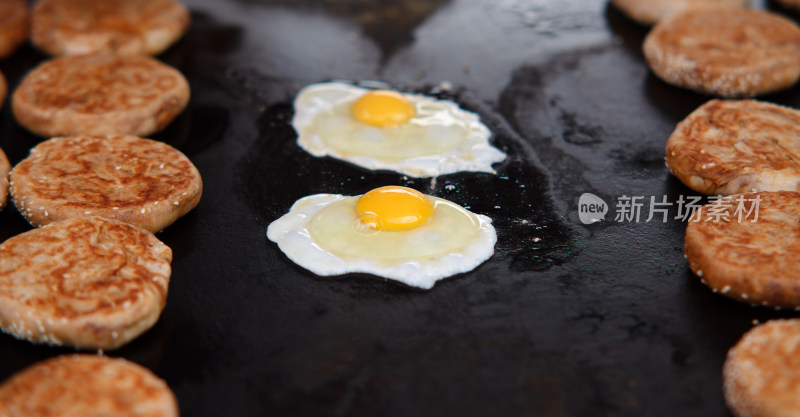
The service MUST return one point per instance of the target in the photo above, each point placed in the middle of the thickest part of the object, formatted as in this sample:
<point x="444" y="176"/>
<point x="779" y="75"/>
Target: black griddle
<point x="565" y="320"/>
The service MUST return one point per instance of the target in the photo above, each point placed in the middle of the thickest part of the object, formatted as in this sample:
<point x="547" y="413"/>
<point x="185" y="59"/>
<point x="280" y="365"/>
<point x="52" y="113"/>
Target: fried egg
<point x="411" y="134"/>
<point x="393" y="232"/>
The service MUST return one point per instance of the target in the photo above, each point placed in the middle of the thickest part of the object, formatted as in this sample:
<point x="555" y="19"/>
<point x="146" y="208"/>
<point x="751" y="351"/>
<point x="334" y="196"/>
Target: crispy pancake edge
<point x="698" y="150"/>
<point x="100" y="299"/>
<point x="74" y="383"/>
<point x="751" y="262"/>
<point x="691" y="69"/>
<point x="160" y="202"/>
<point x="77" y="34"/>
<point x="760" y="375"/>
<point x="49" y="111"/>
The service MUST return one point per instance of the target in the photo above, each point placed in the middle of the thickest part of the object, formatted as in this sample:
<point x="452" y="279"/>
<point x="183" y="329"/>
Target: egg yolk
<point x="383" y="108"/>
<point x="394" y="208"/>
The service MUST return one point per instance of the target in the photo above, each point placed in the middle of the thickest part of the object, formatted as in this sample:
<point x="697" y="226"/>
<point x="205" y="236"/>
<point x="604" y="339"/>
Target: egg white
<point x="319" y="234"/>
<point x="440" y="139"/>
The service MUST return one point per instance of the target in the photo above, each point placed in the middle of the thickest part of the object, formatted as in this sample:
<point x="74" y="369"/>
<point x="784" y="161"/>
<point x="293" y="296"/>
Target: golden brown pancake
<point x="86" y="282"/>
<point x="138" y="181"/>
<point x="755" y="262"/>
<point x="14" y="23"/>
<point x="761" y="375"/>
<point x="726" y="53"/>
<point x="650" y="12"/>
<point x="734" y="146"/>
<point x="5" y="167"/>
<point x="134" y="95"/>
<point x="86" y="385"/>
<point x="125" y="27"/>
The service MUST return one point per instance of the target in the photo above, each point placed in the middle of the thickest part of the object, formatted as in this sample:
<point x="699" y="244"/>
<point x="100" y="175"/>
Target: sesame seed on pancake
<point x="139" y="181"/>
<point x="650" y="12"/>
<point x="135" y="95"/>
<point x="747" y="247"/>
<point x="126" y="27"/>
<point x="14" y="24"/>
<point x="86" y="385"/>
<point x="88" y="282"/>
<point x="761" y="374"/>
<point x="733" y="146"/>
<point x="5" y="167"/>
<point x="726" y="53"/>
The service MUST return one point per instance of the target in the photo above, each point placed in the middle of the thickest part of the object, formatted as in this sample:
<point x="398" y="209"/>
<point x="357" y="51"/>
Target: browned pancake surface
<point x="139" y="181"/>
<point x="86" y="385"/>
<point x="734" y="146"/>
<point x="650" y="12"/>
<point x="14" y="24"/>
<point x="88" y="282"/>
<point x="727" y="53"/>
<point x="134" y="95"/>
<point x="5" y="167"/>
<point x="75" y="27"/>
<point x="753" y="262"/>
<point x="761" y="375"/>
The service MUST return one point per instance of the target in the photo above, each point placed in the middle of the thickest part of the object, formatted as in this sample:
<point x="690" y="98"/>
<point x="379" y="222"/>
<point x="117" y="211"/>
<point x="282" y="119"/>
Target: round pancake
<point x="726" y="53"/>
<point x="5" y="167"/>
<point x="733" y="146"/>
<point x="14" y="23"/>
<point x="138" y="181"/>
<point x="126" y="27"/>
<point x="135" y="95"/>
<point x="755" y="262"/>
<point x="86" y="385"/>
<point x="650" y="12"/>
<point x="761" y="375"/>
<point x="88" y="282"/>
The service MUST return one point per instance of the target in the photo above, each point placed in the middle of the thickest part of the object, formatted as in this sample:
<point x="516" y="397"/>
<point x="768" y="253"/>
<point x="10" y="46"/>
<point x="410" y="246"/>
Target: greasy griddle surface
<point x="564" y="320"/>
